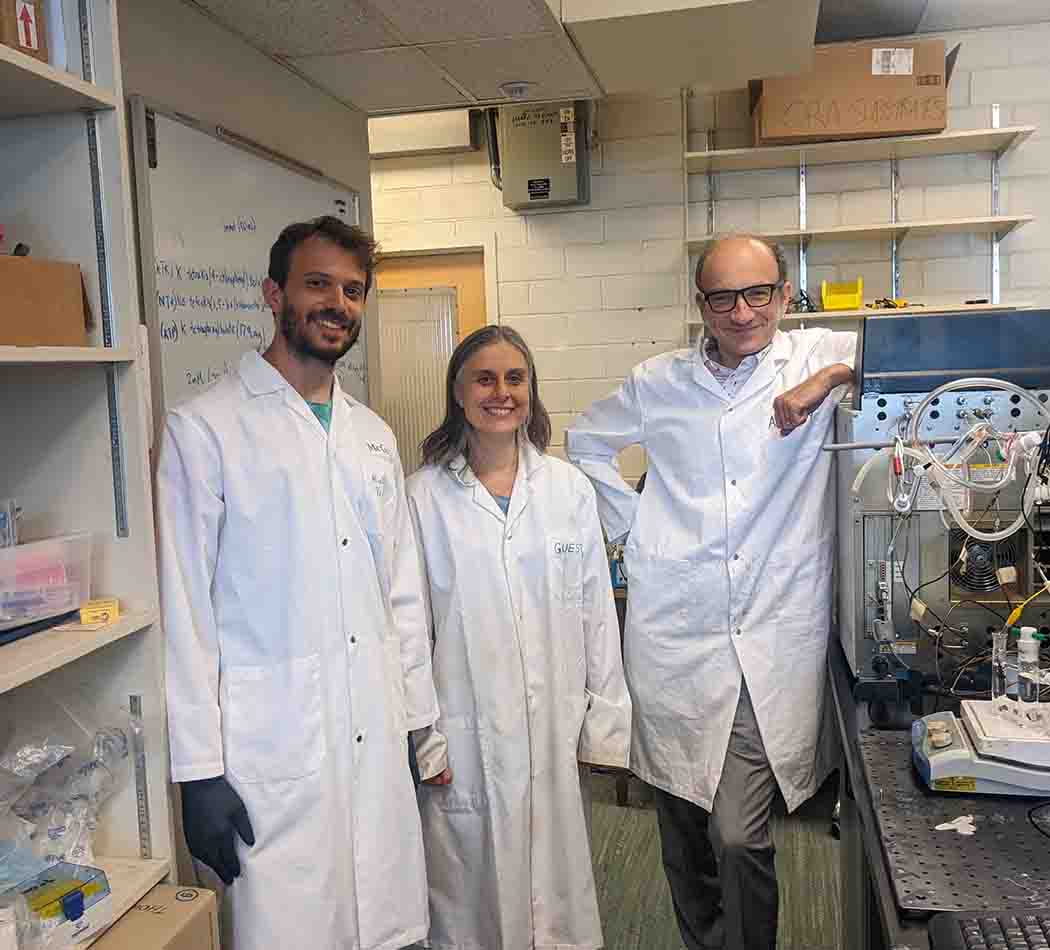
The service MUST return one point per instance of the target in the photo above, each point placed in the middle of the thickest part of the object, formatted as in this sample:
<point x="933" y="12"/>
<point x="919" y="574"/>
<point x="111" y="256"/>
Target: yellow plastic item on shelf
<point x="104" y="610"/>
<point x="846" y="295"/>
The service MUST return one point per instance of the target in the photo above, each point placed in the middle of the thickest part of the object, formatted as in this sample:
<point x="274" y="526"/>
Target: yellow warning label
<point x="100" y="611"/>
<point x="955" y="783"/>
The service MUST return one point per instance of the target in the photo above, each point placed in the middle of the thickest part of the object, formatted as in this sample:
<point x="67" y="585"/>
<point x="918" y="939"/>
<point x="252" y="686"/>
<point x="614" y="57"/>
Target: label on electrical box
<point x="568" y="135"/>
<point x="955" y="783"/>
<point x="539" y="188"/>
<point x="892" y="62"/>
<point x="900" y="647"/>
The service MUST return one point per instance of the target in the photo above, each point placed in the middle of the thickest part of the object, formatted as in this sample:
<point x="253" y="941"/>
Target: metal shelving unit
<point x="74" y="428"/>
<point x="995" y="141"/>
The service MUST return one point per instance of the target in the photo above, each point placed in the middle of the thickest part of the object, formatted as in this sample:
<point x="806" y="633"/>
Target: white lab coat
<point x="530" y="680"/>
<point x="729" y="560"/>
<point x="298" y="655"/>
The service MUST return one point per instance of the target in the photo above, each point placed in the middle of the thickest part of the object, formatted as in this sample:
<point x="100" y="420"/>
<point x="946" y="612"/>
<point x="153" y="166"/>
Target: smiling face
<point x="736" y="264"/>
<point x="321" y="306"/>
<point x="493" y="389"/>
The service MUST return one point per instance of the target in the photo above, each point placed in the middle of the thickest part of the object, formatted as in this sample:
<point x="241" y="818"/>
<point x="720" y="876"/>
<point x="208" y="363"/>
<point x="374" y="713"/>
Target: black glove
<point x="211" y="811"/>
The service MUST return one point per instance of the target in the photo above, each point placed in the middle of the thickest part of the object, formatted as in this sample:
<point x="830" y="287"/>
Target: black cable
<point x="1033" y="822"/>
<point x="990" y="610"/>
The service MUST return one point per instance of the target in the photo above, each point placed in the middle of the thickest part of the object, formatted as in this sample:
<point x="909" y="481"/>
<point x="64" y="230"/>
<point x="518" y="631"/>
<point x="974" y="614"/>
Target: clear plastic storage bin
<point x="44" y="579"/>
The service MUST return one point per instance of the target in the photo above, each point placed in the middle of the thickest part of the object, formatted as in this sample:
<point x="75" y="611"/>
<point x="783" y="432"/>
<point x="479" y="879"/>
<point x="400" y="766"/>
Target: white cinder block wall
<point x="596" y="290"/>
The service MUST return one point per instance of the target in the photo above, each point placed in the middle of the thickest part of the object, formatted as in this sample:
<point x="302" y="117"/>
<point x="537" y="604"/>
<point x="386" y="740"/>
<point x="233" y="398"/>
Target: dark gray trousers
<point x="720" y="865"/>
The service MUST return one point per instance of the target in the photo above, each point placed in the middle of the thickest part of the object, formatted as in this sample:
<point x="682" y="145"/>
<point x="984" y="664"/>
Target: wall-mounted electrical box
<point x="544" y="155"/>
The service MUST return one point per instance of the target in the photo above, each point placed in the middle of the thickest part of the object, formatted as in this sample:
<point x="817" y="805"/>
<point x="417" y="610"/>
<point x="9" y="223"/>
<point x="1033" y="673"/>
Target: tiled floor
<point x="633" y="894"/>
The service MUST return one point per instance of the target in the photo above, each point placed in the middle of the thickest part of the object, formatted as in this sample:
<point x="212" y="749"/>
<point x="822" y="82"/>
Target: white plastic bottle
<point x="1028" y="680"/>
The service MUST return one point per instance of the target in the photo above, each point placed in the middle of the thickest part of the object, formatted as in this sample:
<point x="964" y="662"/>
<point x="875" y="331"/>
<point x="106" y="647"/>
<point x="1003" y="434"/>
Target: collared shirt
<point x="731" y="379"/>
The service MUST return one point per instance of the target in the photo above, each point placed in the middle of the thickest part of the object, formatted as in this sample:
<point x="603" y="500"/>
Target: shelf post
<point x="802" y="278"/>
<point x="995" y="294"/>
<point x="895" y="265"/>
<point x="710" y="185"/>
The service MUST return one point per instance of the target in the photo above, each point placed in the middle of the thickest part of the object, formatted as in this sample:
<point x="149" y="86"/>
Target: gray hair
<point x="775" y="249"/>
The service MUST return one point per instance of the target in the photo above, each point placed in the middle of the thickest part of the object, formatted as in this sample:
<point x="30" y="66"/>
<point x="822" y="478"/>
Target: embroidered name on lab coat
<point x="567" y="547"/>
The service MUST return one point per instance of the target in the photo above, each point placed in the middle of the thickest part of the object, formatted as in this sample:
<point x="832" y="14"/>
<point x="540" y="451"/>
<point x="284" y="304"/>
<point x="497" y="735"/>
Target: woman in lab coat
<point x="526" y="660"/>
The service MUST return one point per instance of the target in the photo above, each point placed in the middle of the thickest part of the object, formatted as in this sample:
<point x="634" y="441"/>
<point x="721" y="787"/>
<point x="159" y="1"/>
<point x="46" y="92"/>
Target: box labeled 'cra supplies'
<point x="855" y="91"/>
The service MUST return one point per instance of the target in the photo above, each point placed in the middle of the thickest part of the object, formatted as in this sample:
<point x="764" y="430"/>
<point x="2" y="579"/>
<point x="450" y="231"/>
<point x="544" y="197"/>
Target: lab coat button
<point x="353" y="639"/>
<point x="360" y="737"/>
<point x="733" y="482"/>
<point x="739" y="631"/>
<point x="346" y="541"/>
<point x="736" y="557"/>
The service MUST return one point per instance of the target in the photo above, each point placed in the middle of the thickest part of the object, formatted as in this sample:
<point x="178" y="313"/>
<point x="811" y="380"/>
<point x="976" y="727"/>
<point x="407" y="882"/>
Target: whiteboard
<point x="209" y="211"/>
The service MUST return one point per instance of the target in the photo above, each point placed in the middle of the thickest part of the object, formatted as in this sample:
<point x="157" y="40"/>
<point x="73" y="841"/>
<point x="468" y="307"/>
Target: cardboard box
<point x="856" y="91"/>
<point x="41" y="303"/>
<point x="23" y="25"/>
<point x="167" y="918"/>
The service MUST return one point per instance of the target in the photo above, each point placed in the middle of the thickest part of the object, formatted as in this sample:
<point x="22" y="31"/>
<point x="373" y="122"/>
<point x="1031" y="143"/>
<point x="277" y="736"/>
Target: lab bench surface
<point x="898" y="868"/>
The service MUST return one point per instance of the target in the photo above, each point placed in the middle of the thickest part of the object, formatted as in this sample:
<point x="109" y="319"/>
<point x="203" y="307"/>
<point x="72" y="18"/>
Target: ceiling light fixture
<point x="516" y="90"/>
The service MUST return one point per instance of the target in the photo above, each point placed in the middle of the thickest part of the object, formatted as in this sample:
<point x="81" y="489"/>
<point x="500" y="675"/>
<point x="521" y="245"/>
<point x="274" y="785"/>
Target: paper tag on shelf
<point x="892" y="62"/>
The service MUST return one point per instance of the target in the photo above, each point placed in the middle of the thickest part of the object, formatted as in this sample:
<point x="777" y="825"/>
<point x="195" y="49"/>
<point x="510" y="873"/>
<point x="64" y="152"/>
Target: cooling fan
<point x="976" y="572"/>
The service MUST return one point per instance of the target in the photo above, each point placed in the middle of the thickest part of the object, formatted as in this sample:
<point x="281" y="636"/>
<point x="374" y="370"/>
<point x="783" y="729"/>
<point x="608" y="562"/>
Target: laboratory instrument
<point x="944" y="540"/>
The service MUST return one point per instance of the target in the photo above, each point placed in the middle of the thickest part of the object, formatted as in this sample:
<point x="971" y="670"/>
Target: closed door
<point x="464" y="272"/>
<point x="417" y="335"/>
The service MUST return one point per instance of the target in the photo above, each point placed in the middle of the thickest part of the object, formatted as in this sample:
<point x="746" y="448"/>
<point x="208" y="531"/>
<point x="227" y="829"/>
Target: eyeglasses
<point x="724" y="301"/>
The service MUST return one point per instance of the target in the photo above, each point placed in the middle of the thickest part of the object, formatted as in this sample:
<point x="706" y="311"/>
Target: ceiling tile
<point x="382" y="80"/>
<point x="971" y="14"/>
<point x="481" y="66"/>
<point x="433" y="21"/>
<point x="303" y="27"/>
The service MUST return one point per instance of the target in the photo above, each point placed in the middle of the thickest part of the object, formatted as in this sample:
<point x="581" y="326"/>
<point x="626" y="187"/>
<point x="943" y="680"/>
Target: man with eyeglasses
<point x="729" y="565"/>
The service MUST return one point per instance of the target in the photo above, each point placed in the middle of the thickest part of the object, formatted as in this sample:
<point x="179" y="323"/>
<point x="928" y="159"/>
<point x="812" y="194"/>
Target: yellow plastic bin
<point x="847" y="295"/>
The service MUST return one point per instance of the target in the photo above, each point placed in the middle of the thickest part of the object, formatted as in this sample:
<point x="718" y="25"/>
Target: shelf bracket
<point x="710" y="185"/>
<point x="803" y="242"/>
<point x="895" y="194"/>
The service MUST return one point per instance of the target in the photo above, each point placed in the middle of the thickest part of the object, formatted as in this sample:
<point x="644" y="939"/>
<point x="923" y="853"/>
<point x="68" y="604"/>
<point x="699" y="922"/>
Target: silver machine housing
<point x="901" y="360"/>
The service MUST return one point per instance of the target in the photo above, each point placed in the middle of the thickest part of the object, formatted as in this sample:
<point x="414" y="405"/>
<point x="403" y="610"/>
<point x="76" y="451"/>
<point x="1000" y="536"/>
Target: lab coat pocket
<point x="273" y="720"/>
<point x="567" y="572"/>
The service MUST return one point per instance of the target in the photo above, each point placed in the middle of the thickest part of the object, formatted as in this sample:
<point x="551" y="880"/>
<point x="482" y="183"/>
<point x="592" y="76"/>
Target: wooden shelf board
<point x="1001" y="224"/>
<point x="27" y="355"/>
<point x="30" y="87"/>
<point x="858" y="150"/>
<point x="900" y="311"/>
<point x="40" y="653"/>
<point x="130" y="879"/>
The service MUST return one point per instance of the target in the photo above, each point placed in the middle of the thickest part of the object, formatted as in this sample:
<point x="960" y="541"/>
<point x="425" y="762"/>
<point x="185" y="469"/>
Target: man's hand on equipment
<point x="211" y="812"/>
<point x="793" y="408"/>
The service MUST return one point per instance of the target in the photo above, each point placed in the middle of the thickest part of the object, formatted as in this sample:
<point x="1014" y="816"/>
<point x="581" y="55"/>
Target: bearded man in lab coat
<point x="730" y="571"/>
<point x="298" y="654"/>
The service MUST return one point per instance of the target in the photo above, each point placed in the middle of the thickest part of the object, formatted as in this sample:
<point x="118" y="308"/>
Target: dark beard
<point x="293" y="331"/>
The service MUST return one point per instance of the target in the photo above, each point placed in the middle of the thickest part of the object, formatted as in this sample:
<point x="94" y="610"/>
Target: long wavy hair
<point x="450" y="438"/>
